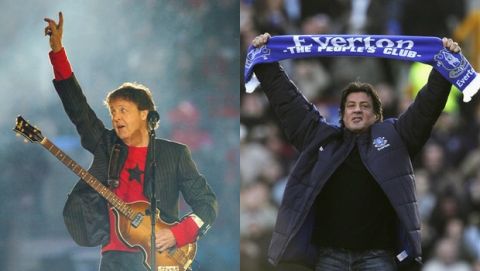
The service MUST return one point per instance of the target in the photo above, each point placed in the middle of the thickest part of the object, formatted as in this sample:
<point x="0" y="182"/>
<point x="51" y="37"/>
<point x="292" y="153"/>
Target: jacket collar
<point x="359" y="137"/>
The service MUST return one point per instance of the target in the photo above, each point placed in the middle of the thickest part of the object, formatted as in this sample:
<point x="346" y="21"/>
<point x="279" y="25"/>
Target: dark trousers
<point x="122" y="261"/>
<point x="330" y="259"/>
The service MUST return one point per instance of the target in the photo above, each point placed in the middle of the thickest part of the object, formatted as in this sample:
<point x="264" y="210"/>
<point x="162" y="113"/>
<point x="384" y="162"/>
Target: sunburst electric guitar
<point x="132" y="222"/>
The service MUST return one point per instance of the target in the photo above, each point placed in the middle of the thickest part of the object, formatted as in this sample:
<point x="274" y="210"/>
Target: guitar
<point x="132" y="222"/>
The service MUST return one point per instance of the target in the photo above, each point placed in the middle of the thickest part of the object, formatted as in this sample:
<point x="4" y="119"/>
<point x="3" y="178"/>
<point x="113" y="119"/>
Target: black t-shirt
<point x="352" y="212"/>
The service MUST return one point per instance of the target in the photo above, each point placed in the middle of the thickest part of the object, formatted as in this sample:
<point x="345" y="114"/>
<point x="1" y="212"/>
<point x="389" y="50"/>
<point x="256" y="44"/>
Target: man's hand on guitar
<point x="55" y="31"/>
<point x="164" y="239"/>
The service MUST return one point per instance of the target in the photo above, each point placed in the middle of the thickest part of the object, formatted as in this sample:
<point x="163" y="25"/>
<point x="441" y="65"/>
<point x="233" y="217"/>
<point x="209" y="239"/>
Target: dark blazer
<point x="386" y="150"/>
<point x="85" y="212"/>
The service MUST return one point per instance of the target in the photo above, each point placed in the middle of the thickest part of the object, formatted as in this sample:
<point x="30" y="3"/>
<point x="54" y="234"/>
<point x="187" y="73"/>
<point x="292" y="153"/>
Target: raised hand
<point x="451" y="45"/>
<point x="55" y="31"/>
<point x="260" y="40"/>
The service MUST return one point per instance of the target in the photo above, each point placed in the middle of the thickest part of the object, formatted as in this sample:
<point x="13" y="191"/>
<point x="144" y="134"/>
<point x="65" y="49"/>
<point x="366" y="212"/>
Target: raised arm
<point x="416" y="123"/>
<point x="89" y="127"/>
<point x="300" y="120"/>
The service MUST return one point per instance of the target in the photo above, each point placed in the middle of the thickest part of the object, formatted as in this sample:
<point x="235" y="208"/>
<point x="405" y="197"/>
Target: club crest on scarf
<point x="262" y="52"/>
<point x="454" y="64"/>
<point x="380" y="143"/>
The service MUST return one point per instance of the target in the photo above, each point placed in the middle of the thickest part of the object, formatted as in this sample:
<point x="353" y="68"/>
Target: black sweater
<point x="352" y="211"/>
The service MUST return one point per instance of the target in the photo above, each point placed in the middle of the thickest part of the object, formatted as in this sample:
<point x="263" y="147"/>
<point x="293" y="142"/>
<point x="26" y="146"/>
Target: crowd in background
<point x="185" y="51"/>
<point x="447" y="170"/>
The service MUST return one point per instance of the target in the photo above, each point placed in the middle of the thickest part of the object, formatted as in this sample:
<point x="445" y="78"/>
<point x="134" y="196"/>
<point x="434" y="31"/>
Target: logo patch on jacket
<point x="380" y="143"/>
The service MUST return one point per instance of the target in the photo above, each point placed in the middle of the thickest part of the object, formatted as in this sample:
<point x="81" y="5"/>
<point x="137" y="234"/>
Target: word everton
<point x="366" y="44"/>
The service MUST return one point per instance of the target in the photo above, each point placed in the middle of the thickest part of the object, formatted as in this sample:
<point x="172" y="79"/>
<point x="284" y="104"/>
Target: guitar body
<point x="174" y="259"/>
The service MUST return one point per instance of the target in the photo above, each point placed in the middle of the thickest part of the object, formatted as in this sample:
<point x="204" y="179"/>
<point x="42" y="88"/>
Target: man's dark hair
<point x="361" y="87"/>
<point x="133" y="92"/>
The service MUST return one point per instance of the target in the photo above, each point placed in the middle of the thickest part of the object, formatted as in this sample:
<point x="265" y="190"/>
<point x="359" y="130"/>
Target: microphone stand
<point x="153" y="200"/>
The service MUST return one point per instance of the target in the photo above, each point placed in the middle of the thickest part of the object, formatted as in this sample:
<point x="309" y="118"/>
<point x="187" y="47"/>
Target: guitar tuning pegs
<point x="25" y="140"/>
<point x="17" y="134"/>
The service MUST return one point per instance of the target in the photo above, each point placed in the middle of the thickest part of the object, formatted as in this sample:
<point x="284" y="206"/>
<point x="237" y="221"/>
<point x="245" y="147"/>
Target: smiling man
<point x="350" y="202"/>
<point x="121" y="154"/>
<point x="360" y="107"/>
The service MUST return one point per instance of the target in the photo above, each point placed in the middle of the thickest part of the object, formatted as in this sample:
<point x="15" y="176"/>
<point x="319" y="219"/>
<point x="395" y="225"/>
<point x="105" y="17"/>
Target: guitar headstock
<point x="28" y="131"/>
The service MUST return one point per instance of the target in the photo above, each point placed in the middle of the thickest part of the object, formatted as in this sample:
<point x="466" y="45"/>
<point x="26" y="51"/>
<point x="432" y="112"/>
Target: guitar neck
<point x="113" y="199"/>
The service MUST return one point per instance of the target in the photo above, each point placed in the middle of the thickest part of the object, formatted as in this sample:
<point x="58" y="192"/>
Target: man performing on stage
<point x="122" y="154"/>
<point x="350" y="202"/>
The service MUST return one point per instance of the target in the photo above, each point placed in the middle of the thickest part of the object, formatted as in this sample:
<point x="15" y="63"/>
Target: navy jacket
<point x="85" y="212"/>
<point x="386" y="150"/>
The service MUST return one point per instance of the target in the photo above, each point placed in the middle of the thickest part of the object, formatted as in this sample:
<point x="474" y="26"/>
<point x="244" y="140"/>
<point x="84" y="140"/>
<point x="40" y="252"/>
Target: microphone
<point x="152" y="119"/>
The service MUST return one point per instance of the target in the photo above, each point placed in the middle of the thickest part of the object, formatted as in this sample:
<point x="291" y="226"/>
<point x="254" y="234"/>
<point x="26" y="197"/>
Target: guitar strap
<point x="114" y="167"/>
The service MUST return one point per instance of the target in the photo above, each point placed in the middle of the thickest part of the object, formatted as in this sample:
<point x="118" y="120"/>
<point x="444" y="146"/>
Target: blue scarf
<point x="429" y="50"/>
